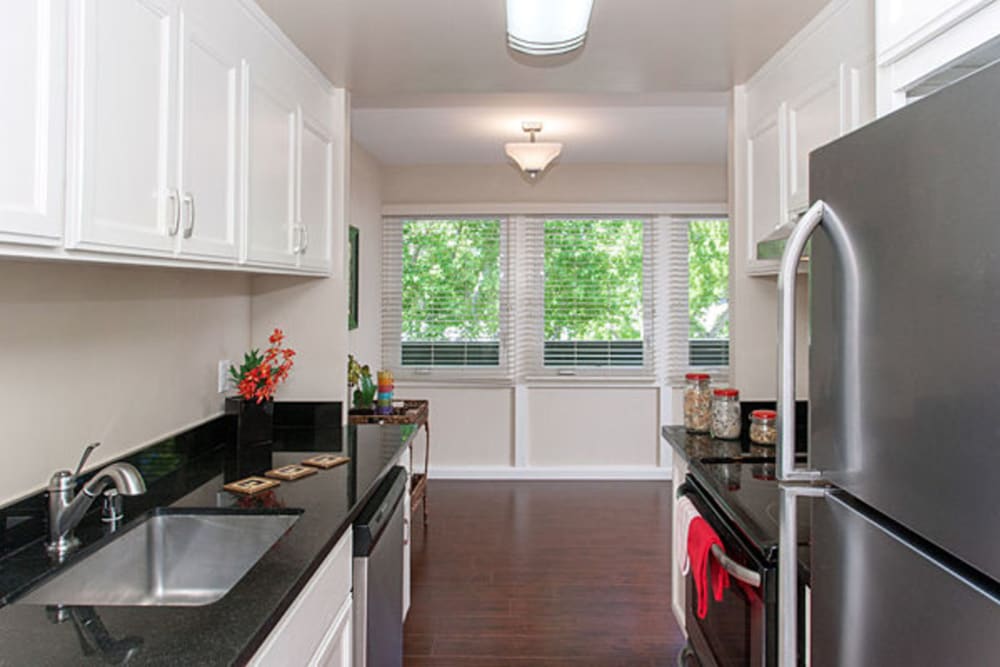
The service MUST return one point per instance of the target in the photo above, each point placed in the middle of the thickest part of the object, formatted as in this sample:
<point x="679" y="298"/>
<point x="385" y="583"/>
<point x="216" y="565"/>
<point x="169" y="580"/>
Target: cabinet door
<point x="815" y="118"/>
<point x="271" y="159"/>
<point x="126" y="65"/>
<point x="765" y="183"/>
<point x="315" y="197"/>
<point x="335" y="649"/>
<point x="208" y="128"/>
<point x="32" y="121"/>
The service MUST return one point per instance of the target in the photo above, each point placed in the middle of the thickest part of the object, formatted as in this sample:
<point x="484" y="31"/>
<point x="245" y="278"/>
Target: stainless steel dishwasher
<point x="378" y="575"/>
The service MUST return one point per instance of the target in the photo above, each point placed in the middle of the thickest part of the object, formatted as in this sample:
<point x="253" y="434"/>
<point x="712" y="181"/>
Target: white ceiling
<point x="432" y="81"/>
<point x="592" y="129"/>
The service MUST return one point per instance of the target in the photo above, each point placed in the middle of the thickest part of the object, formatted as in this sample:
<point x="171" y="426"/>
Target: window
<point x="446" y="312"/>
<point x="708" y="292"/>
<point x="609" y="296"/>
<point x="593" y="293"/>
<point x="698" y="297"/>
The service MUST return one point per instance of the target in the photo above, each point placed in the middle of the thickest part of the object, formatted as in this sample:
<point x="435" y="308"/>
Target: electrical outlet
<point x="224" y="375"/>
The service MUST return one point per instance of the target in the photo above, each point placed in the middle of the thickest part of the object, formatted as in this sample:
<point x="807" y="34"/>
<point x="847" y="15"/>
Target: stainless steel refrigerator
<point x="903" y="470"/>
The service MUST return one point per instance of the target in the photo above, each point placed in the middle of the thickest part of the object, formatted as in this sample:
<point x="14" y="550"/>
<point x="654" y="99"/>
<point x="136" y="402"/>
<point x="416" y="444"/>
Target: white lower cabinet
<point x="316" y="629"/>
<point x="404" y="461"/>
<point x="335" y="649"/>
<point x="677" y="585"/>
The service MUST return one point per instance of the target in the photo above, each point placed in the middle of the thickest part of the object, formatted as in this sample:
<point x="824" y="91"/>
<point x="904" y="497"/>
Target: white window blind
<point x="587" y="294"/>
<point x="696" y="319"/>
<point x="445" y="296"/>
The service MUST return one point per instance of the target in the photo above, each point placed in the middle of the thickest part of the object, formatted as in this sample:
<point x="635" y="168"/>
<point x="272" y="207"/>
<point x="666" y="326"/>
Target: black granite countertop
<point x="188" y="471"/>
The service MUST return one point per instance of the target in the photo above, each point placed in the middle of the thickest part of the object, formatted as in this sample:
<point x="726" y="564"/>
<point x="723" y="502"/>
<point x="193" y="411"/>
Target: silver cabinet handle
<point x="189" y="205"/>
<point x="794" y="248"/>
<point x="175" y="204"/>
<point x="305" y="238"/>
<point x="295" y="239"/>
<point x="737" y="571"/>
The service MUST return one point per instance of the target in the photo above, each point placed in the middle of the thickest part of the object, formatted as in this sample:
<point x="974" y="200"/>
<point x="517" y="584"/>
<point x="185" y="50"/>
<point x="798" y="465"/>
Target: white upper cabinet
<point x="818" y="87"/>
<point x="32" y="121"/>
<point x="316" y="196"/>
<point x="168" y="132"/>
<point x="124" y="197"/>
<point x="765" y="151"/>
<point x="272" y="129"/>
<point x="208" y="144"/>
<point x="923" y="45"/>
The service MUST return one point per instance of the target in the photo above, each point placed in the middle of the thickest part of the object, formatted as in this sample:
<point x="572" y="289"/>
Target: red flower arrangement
<point x="259" y="375"/>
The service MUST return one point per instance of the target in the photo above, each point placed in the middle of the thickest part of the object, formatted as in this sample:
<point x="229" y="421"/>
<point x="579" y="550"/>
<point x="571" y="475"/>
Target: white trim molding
<point x="594" y="473"/>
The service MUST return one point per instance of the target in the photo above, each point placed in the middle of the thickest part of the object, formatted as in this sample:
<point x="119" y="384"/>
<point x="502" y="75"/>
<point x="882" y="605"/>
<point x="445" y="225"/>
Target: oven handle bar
<point x="735" y="570"/>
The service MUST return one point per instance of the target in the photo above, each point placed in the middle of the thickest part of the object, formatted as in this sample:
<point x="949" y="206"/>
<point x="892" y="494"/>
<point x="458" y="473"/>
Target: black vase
<point x="253" y="435"/>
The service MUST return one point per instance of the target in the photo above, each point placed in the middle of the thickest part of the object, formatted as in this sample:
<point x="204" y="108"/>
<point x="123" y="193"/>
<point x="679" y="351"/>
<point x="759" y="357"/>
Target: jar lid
<point x="764" y="414"/>
<point x="730" y="393"/>
<point x="697" y="376"/>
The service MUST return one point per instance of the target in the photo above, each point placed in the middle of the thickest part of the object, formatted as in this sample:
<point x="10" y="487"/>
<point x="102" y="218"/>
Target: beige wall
<point x="593" y="427"/>
<point x="570" y="183"/>
<point x="123" y="355"/>
<point x="366" y="214"/>
<point x="312" y="313"/>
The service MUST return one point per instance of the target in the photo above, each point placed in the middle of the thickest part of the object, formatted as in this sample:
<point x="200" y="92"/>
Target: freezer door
<point x="877" y="600"/>
<point x="904" y="370"/>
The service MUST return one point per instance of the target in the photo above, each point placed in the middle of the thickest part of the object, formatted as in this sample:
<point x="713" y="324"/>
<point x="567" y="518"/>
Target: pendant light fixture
<point x="547" y="27"/>
<point x="531" y="156"/>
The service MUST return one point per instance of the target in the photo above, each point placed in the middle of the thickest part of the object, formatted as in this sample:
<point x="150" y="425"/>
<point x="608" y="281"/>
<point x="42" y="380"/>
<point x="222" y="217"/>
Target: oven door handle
<point x="735" y="570"/>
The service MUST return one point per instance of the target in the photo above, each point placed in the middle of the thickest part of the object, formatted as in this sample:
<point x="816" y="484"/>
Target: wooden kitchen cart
<point x="414" y="412"/>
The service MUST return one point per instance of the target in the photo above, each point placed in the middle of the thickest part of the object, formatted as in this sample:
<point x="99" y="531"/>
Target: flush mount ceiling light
<point x="533" y="157"/>
<point x="547" y="27"/>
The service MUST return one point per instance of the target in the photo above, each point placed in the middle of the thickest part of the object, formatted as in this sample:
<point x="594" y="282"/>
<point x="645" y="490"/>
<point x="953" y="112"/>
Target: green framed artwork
<point x="354" y="240"/>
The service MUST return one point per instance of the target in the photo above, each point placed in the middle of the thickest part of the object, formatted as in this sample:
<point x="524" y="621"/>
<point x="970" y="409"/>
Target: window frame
<point x="519" y="361"/>
<point x="531" y="312"/>
<point x="677" y="319"/>
<point x="392" y="288"/>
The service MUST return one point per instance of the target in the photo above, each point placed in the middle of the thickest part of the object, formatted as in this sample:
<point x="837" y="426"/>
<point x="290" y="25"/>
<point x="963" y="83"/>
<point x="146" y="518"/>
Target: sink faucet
<point x="65" y="510"/>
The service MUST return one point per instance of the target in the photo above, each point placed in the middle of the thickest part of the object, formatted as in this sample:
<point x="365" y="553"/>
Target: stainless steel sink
<point x="173" y="557"/>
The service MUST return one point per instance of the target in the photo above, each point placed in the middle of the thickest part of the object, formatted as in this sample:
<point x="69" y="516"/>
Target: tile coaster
<point x="248" y="486"/>
<point x="326" y="460"/>
<point x="291" y="472"/>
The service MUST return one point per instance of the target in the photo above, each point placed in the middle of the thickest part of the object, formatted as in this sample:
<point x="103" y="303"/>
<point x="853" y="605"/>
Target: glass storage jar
<point x="697" y="403"/>
<point x="726" y="414"/>
<point x="764" y="427"/>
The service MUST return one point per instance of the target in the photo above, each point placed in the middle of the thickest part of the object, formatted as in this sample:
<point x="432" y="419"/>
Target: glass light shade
<point x="547" y="27"/>
<point x="533" y="158"/>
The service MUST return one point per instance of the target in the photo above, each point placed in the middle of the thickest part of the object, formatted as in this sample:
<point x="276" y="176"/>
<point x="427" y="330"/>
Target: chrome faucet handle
<point x="83" y="459"/>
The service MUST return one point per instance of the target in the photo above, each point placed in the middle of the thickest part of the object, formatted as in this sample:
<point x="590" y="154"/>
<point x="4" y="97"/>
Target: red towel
<point x="701" y="537"/>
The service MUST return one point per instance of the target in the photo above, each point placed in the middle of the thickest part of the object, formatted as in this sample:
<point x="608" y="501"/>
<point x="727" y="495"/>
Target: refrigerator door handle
<point x="794" y="247"/>
<point x="788" y="572"/>
<point x="737" y="571"/>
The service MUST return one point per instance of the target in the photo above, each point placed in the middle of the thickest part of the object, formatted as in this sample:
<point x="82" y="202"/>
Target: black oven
<point x="741" y="630"/>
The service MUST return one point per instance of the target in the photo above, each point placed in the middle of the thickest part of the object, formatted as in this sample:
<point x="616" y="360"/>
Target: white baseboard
<point x="550" y="473"/>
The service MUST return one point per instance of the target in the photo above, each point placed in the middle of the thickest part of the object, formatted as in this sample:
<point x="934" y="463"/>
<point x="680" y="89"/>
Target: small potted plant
<point x="360" y="379"/>
<point x="256" y="380"/>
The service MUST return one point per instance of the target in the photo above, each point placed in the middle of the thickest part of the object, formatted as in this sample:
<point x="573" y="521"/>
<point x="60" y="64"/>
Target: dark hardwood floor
<point x="542" y="573"/>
